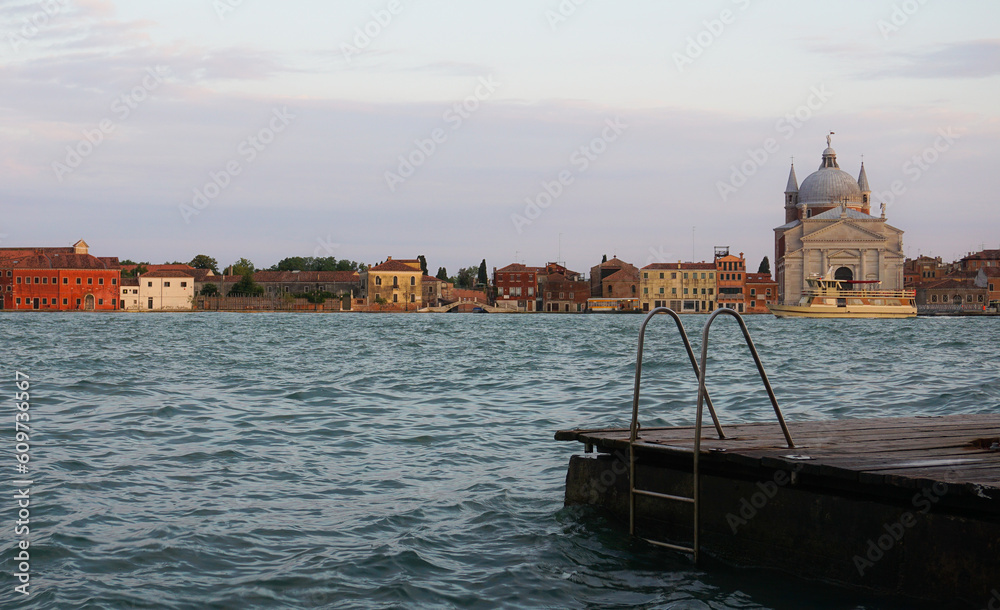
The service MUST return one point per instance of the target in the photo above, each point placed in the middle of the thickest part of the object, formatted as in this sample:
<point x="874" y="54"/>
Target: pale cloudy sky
<point x="661" y="129"/>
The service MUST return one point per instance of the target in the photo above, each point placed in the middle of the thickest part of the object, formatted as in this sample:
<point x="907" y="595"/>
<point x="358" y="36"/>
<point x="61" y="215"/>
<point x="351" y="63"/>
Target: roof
<point x="59" y="260"/>
<point x="760" y="278"/>
<point x="834" y="214"/>
<point x="394" y="265"/>
<point x="990" y="255"/>
<point x="949" y="283"/>
<point x="793" y="182"/>
<point x="130" y="281"/>
<point x="863" y="180"/>
<point x="622" y="275"/>
<point x="308" y="276"/>
<point x="789" y="225"/>
<point x="516" y="267"/>
<point x="701" y="265"/>
<point x="168" y="273"/>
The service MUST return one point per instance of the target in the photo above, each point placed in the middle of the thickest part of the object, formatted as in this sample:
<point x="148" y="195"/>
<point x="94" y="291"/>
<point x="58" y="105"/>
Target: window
<point x="166" y="284"/>
<point x="149" y="284"/>
<point x="183" y="284"/>
<point x="991" y="287"/>
<point x="413" y="298"/>
<point x="711" y="276"/>
<point x="65" y="280"/>
<point x="645" y="290"/>
<point x="45" y="301"/>
<point x="702" y="276"/>
<point x="395" y="298"/>
<point x="673" y="291"/>
<point x="378" y="281"/>
<point x="65" y="301"/>
<point x="548" y="296"/>
<point x="685" y="275"/>
<point x="100" y="281"/>
<point x="645" y="275"/>
<point x="19" y="279"/>
<point x="968" y="298"/>
<point x="90" y="281"/>
<point x="685" y="291"/>
<point x="711" y="291"/>
<point x="114" y="281"/>
<point x="753" y="292"/>
<point x="78" y="282"/>
<point x="78" y="300"/>
<point x="9" y="273"/>
<point x="18" y="301"/>
<point x="673" y="275"/>
<point x="413" y="281"/>
<point x="36" y="280"/>
<point x="980" y="298"/>
<point x="661" y="275"/>
<point x="531" y="291"/>
<point x="933" y="298"/>
<point x="100" y="301"/>
<point x="661" y="289"/>
<point x="571" y="296"/>
<point x="703" y="291"/>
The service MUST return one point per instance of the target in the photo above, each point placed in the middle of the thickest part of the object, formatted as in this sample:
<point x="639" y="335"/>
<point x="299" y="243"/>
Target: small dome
<point x="829" y="186"/>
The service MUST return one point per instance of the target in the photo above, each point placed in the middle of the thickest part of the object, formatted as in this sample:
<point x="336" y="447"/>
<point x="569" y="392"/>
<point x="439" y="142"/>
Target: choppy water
<point x="341" y="461"/>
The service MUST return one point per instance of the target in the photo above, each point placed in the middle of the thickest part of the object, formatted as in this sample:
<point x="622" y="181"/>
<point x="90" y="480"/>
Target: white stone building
<point x="829" y="229"/>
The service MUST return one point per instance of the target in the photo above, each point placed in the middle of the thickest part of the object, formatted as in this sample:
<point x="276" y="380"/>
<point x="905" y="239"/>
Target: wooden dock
<point x="905" y="507"/>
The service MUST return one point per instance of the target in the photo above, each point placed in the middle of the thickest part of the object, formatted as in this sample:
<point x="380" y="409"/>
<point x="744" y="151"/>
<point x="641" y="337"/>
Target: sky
<point x="515" y="131"/>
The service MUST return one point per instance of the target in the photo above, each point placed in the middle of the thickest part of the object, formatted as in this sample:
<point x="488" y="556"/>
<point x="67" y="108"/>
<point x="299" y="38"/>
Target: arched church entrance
<point x="88" y="302"/>
<point x="844" y="273"/>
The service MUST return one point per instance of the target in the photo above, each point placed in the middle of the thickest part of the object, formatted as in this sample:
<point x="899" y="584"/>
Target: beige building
<point x="683" y="287"/>
<point x="396" y="283"/>
<point x="828" y="228"/>
<point x="159" y="291"/>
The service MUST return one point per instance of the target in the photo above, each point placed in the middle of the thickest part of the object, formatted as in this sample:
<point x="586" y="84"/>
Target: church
<point x="829" y="228"/>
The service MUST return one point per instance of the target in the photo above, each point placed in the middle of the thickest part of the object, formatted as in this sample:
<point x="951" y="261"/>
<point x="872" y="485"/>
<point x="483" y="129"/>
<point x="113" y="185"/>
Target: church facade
<point x="829" y="229"/>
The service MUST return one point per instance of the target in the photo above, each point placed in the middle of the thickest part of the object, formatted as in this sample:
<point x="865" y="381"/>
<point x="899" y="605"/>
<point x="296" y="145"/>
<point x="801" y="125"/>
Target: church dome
<point x="829" y="185"/>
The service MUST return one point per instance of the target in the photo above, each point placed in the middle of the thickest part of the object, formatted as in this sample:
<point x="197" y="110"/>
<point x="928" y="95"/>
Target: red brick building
<point x="516" y="286"/>
<point x="981" y="259"/>
<point x="58" y="279"/>
<point x="761" y="289"/>
<point x="614" y="279"/>
<point x="562" y="294"/>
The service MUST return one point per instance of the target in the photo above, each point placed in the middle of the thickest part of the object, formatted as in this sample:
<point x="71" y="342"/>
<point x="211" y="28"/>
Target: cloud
<point x="974" y="59"/>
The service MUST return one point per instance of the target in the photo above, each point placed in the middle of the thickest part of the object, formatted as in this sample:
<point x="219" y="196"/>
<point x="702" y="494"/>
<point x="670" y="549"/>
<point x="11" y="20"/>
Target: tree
<point x="209" y="290"/>
<point x="140" y="268"/>
<point x="242" y="267"/>
<point x="465" y="277"/>
<point x="203" y="261"/>
<point x="442" y="274"/>
<point x="765" y="266"/>
<point x="423" y="264"/>
<point x="293" y="263"/>
<point x="246" y="287"/>
<point x="483" y="279"/>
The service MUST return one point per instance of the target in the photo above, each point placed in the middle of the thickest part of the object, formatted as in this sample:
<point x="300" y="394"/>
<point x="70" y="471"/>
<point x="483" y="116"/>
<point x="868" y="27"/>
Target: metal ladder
<point x="703" y="399"/>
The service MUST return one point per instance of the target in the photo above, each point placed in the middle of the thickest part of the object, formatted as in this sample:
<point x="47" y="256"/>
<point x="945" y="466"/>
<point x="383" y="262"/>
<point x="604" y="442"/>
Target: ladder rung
<point x="667" y="545"/>
<point x="653" y="494"/>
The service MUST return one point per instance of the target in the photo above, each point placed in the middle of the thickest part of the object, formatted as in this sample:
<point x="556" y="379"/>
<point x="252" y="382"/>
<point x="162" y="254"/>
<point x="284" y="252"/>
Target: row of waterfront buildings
<point x="828" y="230"/>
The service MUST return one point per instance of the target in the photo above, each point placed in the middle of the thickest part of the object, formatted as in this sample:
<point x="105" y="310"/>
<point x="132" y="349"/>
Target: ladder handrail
<point x="634" y="428"/>
<point x="703" y="391"/>
<point x="703" y="399"/>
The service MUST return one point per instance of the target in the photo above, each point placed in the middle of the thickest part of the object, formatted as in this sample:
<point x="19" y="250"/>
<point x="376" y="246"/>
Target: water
<point x="349" y="460"/>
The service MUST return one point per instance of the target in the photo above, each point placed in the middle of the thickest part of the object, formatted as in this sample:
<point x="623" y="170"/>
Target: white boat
<point x="833" y="298"/>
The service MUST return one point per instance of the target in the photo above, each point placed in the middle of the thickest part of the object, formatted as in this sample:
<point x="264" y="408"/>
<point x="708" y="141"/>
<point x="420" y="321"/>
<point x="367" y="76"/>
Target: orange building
<point x="730" y="278"/>
<point x="58" y="279"/>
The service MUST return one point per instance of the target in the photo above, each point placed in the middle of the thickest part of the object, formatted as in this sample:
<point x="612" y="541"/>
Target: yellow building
<point x="683" y="287"/>
<point x="396" y="283"/>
